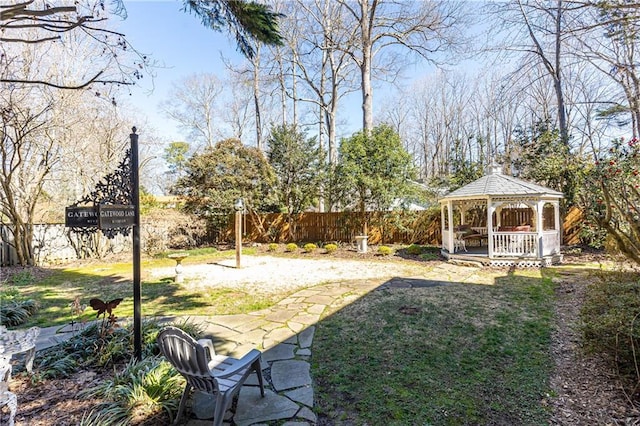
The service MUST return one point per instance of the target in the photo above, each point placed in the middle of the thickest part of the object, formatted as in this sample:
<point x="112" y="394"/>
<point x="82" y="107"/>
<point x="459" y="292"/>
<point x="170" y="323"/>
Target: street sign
<point x="80" y="217"/>
<point x="115" y="216"/>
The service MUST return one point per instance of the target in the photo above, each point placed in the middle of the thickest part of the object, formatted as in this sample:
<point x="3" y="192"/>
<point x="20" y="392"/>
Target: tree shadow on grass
<point x="55" y="291"/>
<point x="437" y="351"/>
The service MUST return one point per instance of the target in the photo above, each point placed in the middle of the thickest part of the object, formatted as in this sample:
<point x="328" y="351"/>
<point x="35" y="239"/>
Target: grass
<point x="450" y="355"/>
<point x="454" y="354"/>
<point x="56" y="291"/>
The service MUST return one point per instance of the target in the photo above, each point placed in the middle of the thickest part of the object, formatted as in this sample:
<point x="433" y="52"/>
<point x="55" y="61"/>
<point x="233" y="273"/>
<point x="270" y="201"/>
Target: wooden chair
<point x="459" y="243"/>
<point x="218" y="375"/>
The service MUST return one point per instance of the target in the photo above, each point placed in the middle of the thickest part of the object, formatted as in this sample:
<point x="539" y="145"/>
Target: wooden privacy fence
<point x="571" y="226"/>
<point x="384" y="227"/>
<point x="419" y="227"/>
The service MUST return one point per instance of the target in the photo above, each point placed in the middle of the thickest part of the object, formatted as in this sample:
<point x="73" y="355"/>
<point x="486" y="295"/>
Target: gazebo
<point x="500" y="220"/>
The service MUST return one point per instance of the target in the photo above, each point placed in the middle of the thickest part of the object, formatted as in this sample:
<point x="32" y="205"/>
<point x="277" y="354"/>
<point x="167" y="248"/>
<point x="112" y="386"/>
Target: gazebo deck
<point x="480" y="256"/>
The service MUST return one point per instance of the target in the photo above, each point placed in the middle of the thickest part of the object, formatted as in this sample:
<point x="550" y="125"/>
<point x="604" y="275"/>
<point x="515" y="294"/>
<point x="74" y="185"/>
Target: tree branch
<point x="58" y="86"/>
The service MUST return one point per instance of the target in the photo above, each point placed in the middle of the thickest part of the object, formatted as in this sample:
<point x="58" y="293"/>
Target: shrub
<point x="610" y="198"/>
<point x="385" y="250"/>
<point x="272" y="247"/>
<point x="610" y="321"/>
<point x="14" y="308"/>
<point x="414" y="249"/>
<point x="310" y="247"/>
<point x="143" y="389"/>
<point x="89" y="348"/>
<point x="22" y="278"/>
<point x="330" y="248"/>
<point x="429" y="256"/>
<point x="291" y="247"/>
<point x="16" y="313"/>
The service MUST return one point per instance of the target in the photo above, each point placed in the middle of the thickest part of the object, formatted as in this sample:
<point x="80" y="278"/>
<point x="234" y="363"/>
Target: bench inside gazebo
<point x="500" y="220"/>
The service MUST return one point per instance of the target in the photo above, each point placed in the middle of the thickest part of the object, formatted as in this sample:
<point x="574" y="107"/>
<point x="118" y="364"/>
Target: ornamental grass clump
<point x="310" y="248"/>
<point x="291" y="247"/>
<point x="15" y="309"/>
<point x="272" y="247"/>
<point x="330" y="248"/>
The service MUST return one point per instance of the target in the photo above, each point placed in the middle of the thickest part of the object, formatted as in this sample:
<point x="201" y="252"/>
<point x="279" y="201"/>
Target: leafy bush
<point x="385" y="250"/>
<point x="610" y="321"/>
<point x="18" y="312"/>
<point x="310" y="247"/>
<point x="14" y="308"/>
<point x="429" y="256"/>
<point x="291" y="247"/>
<point x="414" y="249"/>
<point x="330" y="248"/>
<point x="611" y="199"/>
<point x="22" y="278"/>
<point x="272" y="247"/>
<point x="141" y="390"/>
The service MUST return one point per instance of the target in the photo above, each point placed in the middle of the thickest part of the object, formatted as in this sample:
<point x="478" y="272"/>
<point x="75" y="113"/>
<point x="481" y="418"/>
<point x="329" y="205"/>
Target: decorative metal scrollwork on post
<point x="114" y="189"/>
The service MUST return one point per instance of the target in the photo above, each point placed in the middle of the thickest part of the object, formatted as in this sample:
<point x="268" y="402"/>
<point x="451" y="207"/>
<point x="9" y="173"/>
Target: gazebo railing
<point x="515" y="244"/>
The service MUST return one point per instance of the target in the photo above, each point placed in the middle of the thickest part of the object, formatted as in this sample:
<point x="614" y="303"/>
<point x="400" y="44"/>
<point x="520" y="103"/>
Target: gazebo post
<point x="450" y="218"/>
<point x="443" y="223"/>
<point x="539" y="208"/>
<point x="490" y="210"/>
<point x="558" y="225"/>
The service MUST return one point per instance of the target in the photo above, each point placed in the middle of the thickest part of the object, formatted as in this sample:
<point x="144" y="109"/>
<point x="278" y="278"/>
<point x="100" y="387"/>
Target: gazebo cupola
<point x="502" y="220"/>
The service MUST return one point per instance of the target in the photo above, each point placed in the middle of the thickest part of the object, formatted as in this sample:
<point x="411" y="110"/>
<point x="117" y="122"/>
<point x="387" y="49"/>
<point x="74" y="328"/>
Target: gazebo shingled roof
<point x="497" y="184"/>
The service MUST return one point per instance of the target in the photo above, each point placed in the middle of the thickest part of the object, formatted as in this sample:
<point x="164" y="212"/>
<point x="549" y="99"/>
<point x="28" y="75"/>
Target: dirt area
<point x="585" y="390"/>
<point x="271" y="274"/>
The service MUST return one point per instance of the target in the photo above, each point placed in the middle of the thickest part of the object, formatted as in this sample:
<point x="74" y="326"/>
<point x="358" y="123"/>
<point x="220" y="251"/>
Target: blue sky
<point x="180" y="45"/>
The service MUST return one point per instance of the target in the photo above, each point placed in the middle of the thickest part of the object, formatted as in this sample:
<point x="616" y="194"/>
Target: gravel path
<point x="275" y="274"/>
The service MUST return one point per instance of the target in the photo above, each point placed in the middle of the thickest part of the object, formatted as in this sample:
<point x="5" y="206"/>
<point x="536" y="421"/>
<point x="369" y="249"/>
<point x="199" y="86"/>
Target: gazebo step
<point x="466" y="262"/>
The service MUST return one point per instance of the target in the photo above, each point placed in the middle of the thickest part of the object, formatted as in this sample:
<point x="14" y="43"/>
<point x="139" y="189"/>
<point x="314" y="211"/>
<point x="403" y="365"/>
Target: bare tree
<point x="608" y="34"/>
<point x="421" y="28"/>
<point x="321" y="63"/>
<point x="195" y="103"/>
<point x="27" y="155"/>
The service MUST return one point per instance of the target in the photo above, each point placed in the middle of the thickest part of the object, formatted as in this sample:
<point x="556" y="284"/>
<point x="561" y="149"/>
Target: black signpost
<point x="114" y="207"/>
<point x="137" y="294"/>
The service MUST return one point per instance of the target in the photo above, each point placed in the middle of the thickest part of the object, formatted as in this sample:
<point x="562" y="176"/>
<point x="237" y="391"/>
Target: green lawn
<point x="453" y="354"/>
<point x="459" y="354"/>
<point x="56" y="290"/>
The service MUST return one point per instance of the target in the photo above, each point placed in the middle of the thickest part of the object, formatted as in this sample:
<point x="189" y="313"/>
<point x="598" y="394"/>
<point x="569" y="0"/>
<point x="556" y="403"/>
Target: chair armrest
<point x="239" y="364"/>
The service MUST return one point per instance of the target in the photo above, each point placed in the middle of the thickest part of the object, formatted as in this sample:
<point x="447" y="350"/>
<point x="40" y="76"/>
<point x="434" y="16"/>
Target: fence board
<point x="571" y="226"/>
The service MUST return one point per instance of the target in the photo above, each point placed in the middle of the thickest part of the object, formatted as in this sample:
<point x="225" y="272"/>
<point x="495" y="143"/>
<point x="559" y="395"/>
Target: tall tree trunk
<point x="256" y="96"/>
<point x="294" y="93"/>
<point x="366" y="17"/>
<point x="562" y="111"/>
